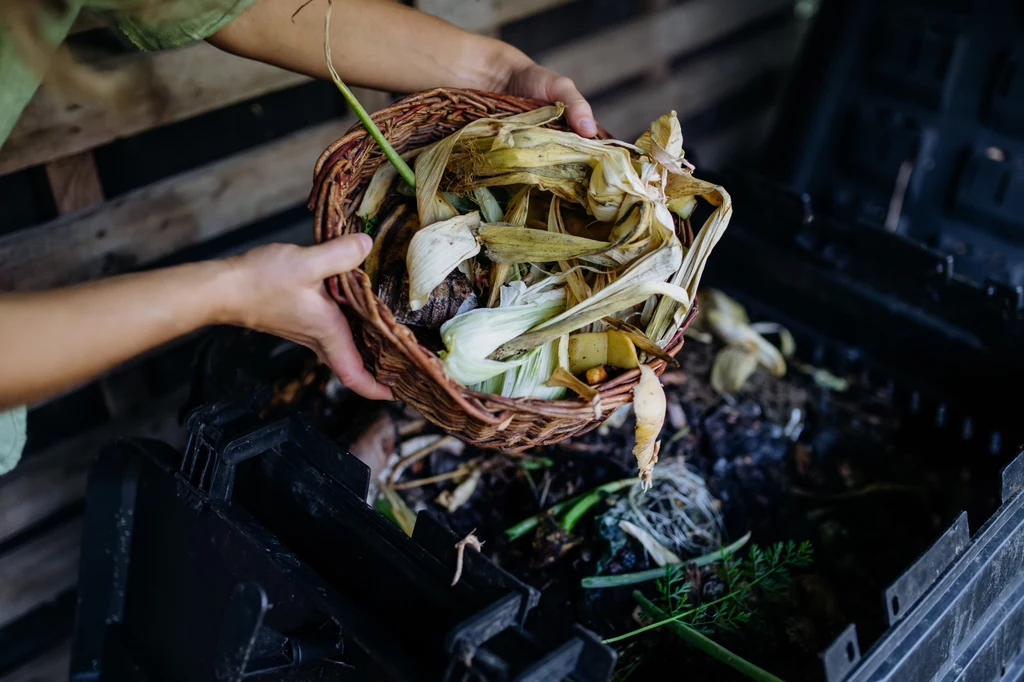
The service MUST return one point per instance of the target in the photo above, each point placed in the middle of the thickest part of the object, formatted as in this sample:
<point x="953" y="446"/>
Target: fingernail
<point x="366" y="241"/>
<point x="587" y="126"/>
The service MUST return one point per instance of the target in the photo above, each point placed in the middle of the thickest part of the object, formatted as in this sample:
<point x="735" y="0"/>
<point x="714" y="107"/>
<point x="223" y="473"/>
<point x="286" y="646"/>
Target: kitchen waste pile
<point x="549" y="263"/>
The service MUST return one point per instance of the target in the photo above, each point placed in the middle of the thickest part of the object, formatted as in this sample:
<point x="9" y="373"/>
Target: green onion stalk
<point x="577" y="506"/>
<point x="371" y="127"/>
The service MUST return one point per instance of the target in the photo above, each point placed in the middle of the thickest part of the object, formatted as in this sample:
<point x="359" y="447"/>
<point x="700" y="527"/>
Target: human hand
<point x="529" y="79"/>
<point x="279" y="289"/>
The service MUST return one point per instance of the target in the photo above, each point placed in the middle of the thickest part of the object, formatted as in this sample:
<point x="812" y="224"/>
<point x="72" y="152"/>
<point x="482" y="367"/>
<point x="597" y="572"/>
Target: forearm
<point x="52" y="341"/>
<point x="375" y="43"/>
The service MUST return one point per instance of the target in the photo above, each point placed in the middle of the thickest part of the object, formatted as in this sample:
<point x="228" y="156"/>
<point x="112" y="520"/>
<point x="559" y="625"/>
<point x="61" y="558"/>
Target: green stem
<point x="600" y="581"/>
<point x="371" y="127"/>
<point x="579" y="510"/>
<point x="708" y="646"/>
<point x="526" y="525"/>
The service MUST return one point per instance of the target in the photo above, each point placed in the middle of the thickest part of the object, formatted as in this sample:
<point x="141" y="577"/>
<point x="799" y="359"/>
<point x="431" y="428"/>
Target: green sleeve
<point x="191" y="21"/>
<point x="12" y="438"/>
<point x="197" y="20"/>
<point x="18" y="81"/>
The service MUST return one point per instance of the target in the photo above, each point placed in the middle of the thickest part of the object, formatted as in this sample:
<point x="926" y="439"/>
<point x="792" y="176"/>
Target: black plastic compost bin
<point x="884" y="226"/>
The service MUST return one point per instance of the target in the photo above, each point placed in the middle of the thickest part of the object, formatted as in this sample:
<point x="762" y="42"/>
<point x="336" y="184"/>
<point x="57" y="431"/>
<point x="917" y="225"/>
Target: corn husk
<point x="732" y="367"/>
<point x="460" y="495"/>
<point x="641" y="341"/>
<point x="515" y="214"/>
<point x="489" y="206"/>
<point x="787" y="344"/>
<point x="649" y="405"/>
<point x="636" y="284"/>
<point x="746" y="348"/>
<point x="510" y="244"/>
<point x="430" y="165"/>
<point x="664" y="143"/>
<point x="388" y="229"/>
<point x="561" y="377"/>
<point x="660" y="554"/>
<point x="435" y="251"/>
<point x="380" y="183"/>
<point x="668" y="315"/>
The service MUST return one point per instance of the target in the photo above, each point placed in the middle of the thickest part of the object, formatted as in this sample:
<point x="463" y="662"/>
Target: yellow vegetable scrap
<point x="649" y="405"/>
<point x="596" y="375"/>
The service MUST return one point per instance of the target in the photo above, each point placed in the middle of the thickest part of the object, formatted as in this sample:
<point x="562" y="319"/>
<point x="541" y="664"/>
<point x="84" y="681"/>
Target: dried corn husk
<point x="453" y="499"/>
<point x="488" y="204"/>
<point x="649" y="405"/>
<point x="387" y="235"/>
<point x="431" y="164"/>
<point x="509" y="244"/>
<point x="732" y="367"/>
<point x="435" y="251"/>
<point x="635" y="285"/>
<point x="563" y="378"/>
<point x="660" y="554"/>
<point x="377" y="189"/>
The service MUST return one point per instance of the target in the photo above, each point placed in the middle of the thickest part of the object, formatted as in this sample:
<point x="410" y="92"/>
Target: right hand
<point x="279" y="289"/>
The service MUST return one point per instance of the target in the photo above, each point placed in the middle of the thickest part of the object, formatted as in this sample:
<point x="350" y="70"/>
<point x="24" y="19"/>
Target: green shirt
<point x="192" y="20"/>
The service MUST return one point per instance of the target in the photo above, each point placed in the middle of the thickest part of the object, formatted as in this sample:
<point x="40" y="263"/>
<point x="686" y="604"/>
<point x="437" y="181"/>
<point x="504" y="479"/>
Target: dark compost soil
<point x="788" y="458"/>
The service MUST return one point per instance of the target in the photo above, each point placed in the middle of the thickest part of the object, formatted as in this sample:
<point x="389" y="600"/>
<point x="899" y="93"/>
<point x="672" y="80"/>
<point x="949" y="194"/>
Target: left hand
<point x="530" y="79"/>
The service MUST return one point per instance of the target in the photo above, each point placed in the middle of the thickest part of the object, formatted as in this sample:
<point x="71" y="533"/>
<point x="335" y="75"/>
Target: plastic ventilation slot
<point x="992" y="186"/>
<point x="1006" y="101"/>
<point x="913" y="58"/>
<point x="879" y="142"/>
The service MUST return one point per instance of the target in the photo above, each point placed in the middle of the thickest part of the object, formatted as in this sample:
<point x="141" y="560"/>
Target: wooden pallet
<point x="688" y="56"/>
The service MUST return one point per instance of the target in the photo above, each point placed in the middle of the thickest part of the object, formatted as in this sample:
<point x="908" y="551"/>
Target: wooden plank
<point x="660" y="68"/>
<point x="38" y="571"/>
<point x="484" y="16"/>
<point x="74" y="182"/>
<point x="158" y="88"/>
<point x="628" y="51"/>
<point x="52" y="666"/>
<point x="52" y="480"/>
<point x="700" y="83"/>
<point x="158" y="220"/>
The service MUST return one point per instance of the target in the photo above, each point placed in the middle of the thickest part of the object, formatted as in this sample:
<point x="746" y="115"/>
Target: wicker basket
<point x="389" y="349"/>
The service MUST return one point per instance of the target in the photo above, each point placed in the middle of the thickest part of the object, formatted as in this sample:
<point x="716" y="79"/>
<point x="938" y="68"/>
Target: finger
<point x="338" y="350"/>
<point x="577" y="109"/>
<point x="338" y="255"/>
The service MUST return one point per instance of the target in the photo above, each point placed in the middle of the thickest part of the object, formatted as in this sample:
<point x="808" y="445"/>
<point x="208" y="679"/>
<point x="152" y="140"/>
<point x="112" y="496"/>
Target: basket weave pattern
<point x="388" y="348"/>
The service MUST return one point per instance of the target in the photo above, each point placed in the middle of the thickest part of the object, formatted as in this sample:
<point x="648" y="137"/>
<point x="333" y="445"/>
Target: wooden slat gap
<point x="74" y="182"/>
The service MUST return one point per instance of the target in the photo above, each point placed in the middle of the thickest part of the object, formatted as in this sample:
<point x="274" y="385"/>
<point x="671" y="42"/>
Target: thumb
<point x="338" y="255"/>
<point x="577" y="109"/>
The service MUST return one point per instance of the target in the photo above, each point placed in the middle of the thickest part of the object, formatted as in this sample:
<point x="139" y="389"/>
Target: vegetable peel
<point x="649" y="406"/>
